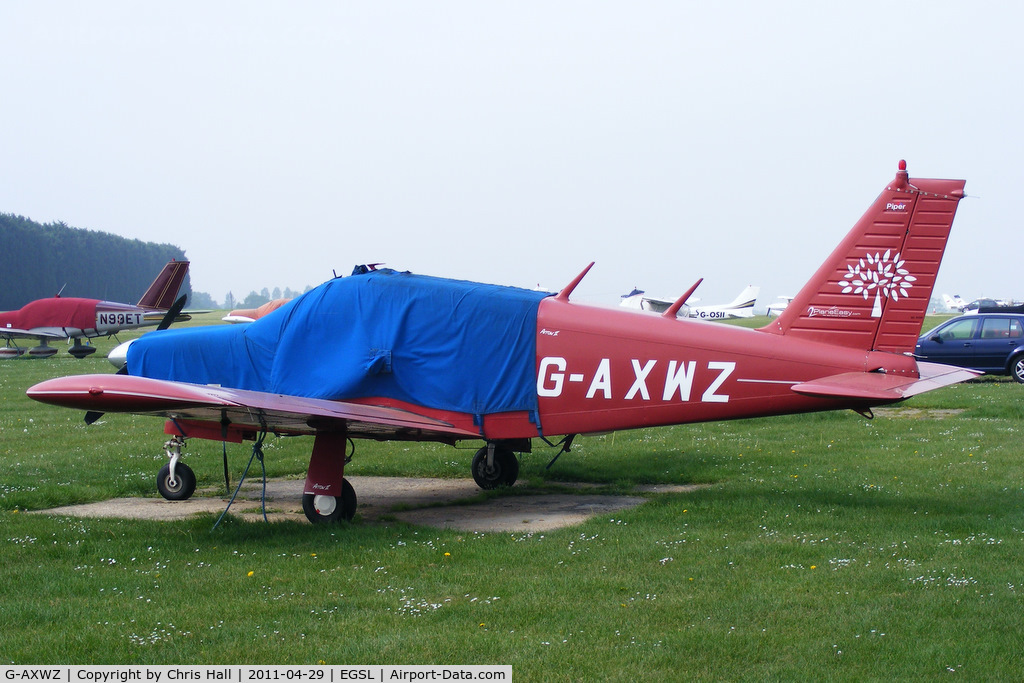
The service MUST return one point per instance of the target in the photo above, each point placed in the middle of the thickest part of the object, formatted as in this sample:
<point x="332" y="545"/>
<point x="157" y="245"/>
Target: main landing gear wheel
<point x="181" y="486"/>
<point x="80" y="351"/>
<point x="324" y="509"/>
<point x="503" y="472"/>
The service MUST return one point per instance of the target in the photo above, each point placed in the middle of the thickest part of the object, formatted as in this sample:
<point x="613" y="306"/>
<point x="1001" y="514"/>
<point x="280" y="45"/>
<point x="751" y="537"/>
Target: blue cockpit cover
<point x="438" y="343"/>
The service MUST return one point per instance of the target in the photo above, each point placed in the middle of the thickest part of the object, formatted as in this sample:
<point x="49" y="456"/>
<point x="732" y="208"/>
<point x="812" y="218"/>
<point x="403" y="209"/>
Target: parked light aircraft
<point x="397" y="356"/>
<point x="777" y="307"/>
<point x="954" y="302"/>
<point x="992" y="306"/>
<point x="76" y="318"/>
<point x="248" y="315"/>
<point x="983" y="305"/>
<point x="741" y="307"/>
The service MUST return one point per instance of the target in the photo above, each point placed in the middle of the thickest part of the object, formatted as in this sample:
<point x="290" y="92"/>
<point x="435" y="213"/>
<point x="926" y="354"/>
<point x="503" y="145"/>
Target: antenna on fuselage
<point x="673" y="310"/>
<point x="567" y="290"/>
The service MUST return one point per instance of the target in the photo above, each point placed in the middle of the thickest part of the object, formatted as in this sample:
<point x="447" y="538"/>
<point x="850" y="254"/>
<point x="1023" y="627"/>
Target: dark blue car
<point x="990" y="342"/>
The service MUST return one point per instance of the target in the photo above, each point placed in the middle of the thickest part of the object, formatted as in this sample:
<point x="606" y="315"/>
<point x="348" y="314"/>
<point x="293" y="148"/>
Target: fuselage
<point x="600" y="370"/>
<point x="604" y="369"/>
<point x="71" y="317"/>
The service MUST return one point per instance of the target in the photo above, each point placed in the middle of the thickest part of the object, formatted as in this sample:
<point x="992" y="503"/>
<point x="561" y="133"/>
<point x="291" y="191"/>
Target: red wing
<point x="254" y="409"/>
<point x="12" y="333"/>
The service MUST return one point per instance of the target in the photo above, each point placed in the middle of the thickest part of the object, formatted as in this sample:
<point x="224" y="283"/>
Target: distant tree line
<point x="253" y="300"/>
<point x="38" y="260"/>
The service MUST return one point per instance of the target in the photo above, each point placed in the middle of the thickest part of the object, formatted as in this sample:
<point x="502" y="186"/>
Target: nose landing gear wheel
<point x="181" y="487"/>
<point x="325" y="509"/>
<point x="503" y="472"/>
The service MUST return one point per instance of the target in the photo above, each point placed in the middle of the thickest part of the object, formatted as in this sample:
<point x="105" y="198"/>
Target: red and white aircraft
<point x="517" y="367"/>
<point x="77" y="319"/>
<point x="248" y="315"/>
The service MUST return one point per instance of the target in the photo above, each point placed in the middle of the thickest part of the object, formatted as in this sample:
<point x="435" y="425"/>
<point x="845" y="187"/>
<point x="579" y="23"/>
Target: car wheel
<point x="1017" y="368"/>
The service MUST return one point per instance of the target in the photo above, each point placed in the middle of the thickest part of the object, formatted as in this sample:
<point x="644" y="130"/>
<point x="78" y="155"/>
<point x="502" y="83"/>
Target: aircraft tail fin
<point x="164" y="289"/>
<point x="873" y="291"/>
<point x="743" y="305"/>
<point x="954" y="302"/>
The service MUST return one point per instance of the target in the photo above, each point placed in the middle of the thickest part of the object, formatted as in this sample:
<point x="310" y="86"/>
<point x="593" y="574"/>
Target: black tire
<point x="184" y="485"/>
<point x="79" y="351"/>
<point x="505" y="470"/>
<point x="1017" y="368"/>
<point x="328" y="509"/>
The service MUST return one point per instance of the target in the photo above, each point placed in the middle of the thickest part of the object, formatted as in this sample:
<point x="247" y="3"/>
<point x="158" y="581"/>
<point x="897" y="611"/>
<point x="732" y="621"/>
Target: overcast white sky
<point x="514" y="142"/>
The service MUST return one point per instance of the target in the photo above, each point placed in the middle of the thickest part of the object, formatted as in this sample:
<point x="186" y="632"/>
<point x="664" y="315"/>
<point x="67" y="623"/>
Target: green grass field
<point x="826" y="546"/>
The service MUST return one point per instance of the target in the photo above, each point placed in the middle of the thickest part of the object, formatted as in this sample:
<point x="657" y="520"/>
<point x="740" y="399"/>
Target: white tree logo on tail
<point x="883" y="275"/>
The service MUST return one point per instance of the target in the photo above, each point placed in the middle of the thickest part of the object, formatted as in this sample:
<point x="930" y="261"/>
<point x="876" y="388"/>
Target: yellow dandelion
<point x="814" y="566"/>
<point x="250" y="573"/>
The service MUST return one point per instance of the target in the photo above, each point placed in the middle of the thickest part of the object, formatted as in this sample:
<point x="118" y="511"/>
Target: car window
<point x="1001" y="328"/>
<point x="960" y="329"/>
<point x="995" y="328"/>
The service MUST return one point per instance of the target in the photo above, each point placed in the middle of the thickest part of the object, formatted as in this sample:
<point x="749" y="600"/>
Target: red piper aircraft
<point x="396" y="356"/>
<point x="76" y="318"/>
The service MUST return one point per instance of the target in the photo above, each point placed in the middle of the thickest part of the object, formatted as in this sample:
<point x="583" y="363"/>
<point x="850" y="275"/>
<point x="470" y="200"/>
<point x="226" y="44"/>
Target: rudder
<point x="872" y="292"/>
<point x="161" y="293"/>
<point x="745" y="300"/>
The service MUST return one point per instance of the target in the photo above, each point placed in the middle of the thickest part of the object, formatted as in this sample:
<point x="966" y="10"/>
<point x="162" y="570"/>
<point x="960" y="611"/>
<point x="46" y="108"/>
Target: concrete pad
<point x="421" y="501"/>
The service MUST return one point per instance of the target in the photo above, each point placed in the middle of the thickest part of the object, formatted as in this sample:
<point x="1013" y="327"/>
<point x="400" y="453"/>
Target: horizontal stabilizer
<point x="158" y="316"/>
<point x="878" y="386"/>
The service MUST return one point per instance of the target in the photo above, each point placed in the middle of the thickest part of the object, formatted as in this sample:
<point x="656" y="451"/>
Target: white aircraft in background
<point x="954" y="302"/>
<point x="636" y="299"/>
<point x="741" y="307"/>
<point x="993" y="306"/>
<point x="981" y="305"/>
<point x="777" y="307"/>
